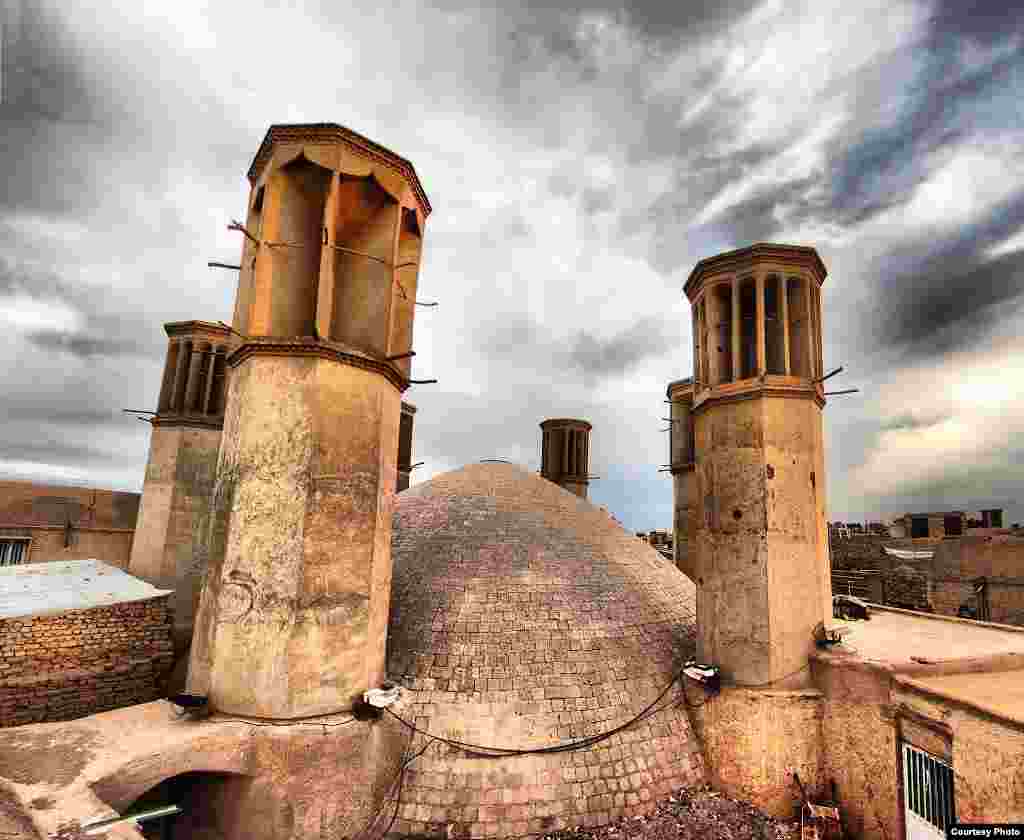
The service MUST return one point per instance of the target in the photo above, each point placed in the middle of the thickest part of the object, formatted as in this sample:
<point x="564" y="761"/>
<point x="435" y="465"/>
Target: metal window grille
<point x="927" y="790"/>
<point x="13" y="552"/>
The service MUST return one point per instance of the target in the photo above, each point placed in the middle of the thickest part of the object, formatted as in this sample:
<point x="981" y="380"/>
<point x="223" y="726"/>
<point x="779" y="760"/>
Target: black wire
<point x="650" y="710"/>
<point x="480" y="751"/>
<point x="400" y="780"/>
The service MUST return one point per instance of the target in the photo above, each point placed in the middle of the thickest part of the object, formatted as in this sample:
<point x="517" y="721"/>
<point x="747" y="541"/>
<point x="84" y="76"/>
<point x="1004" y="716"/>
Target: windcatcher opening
<point x="303" y="187"/>
<point x="364" y="234"/>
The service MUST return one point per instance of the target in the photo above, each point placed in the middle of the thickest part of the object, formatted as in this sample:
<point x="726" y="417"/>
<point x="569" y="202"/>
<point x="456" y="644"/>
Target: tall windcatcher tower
<point x="757" y="550"/>
<point x="182" y="466"/>
<point x="684" y="479"/>
<point x="565" y="454"/>
<point x="293" y="616"/>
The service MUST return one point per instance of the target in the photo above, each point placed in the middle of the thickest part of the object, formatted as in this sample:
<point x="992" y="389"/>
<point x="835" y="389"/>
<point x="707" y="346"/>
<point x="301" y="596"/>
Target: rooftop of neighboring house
<point x="45" y="588"/>
<point x="975" y="662"/>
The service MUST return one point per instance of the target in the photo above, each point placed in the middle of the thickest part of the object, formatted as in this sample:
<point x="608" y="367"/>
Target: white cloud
<point x="961" y="415"/>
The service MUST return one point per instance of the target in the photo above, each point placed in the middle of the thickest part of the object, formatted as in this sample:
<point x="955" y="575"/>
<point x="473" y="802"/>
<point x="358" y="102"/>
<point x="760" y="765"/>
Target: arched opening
<point x="702" y="317"/>
<point x="215" y="406"/>
<point x="364" y="233"/>
<point x="721" y="297"/>
<point x="799" y="344"/>
<point x="170" y="367"/>
<point x="748" y="328"/>
<point x="410" y="248"/>
<point x="695" y="328"/>
<point x="773" y="327"/>
<point x="197" y="389"/>
<point x="302" y="193"/>
<point x="209" y="804"/>
<point x="254" y="224"/>
<point x="816" y="328"/>
<point x="181" y="376"/>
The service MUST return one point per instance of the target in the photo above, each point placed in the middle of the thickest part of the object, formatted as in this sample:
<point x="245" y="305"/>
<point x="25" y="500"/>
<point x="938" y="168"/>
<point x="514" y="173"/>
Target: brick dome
<point x="523" y="616"/>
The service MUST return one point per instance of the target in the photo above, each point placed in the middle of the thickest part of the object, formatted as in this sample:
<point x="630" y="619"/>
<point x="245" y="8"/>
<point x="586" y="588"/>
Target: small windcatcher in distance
<point x="565" y="454"/>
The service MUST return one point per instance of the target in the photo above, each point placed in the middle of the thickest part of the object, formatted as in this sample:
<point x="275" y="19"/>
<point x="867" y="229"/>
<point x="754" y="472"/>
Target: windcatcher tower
<point x="182" y="466"/>
<point x="684" y="479"/>
<point x="565" y="454"/>
<point x="759" y="546"/>
<point x="293" y="616"/>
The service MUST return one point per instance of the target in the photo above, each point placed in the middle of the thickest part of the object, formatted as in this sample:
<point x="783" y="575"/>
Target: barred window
<point x="13" y="551"/>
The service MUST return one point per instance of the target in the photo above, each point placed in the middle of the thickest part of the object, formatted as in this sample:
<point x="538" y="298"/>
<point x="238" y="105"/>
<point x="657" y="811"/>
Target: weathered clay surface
<point x="175" y="508"/>
<point x="761" y="563"/>
<point x="324" y="777"/>
<point x="755" y="740"/>
<point x="293" y="617"/>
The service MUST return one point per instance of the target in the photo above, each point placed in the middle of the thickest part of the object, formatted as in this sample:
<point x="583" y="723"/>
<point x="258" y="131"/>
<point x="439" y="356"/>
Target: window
<point x="13" y="551"/>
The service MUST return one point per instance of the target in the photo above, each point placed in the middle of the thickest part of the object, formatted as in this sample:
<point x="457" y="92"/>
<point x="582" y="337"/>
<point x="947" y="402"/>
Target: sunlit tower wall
<point x="565" y="454"/>
<point x="760" y="543"/>
<point x="293" y="616"/>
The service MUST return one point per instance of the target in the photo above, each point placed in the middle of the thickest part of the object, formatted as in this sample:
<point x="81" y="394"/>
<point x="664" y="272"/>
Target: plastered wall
<point x="867" y="712"/>
<point x="174" y="513"/>
<point x="301" y="539"/>
<point x="755" y="740"/>
<point x="111" y="546"/>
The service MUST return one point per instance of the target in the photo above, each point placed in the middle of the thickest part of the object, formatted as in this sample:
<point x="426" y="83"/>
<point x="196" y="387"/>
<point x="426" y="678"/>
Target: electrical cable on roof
<point x="480" y="751"/>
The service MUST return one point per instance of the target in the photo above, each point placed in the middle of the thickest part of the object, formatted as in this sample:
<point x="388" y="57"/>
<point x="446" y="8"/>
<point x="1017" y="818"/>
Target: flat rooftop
<point x="35" y="589"/>
<point x="902" y="639"/>
<point x="1001" y="692"/>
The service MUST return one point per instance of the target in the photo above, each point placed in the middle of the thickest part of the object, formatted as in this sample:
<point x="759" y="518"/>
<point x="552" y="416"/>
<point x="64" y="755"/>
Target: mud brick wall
<point x="947" y="594"/>
<point x="859" y="742"/>
<point x="866" y="552"/>
<point x="523" y="616"/>
<point x="909" y="588"/>
<point x="75" y="663"/>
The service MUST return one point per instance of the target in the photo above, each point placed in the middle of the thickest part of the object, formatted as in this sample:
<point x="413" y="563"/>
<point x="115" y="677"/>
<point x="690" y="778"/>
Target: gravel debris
<point x="693" y="814"/>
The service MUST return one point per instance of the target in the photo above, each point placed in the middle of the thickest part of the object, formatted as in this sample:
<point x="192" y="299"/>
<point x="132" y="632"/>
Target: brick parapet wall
<point x="78" y="662"/>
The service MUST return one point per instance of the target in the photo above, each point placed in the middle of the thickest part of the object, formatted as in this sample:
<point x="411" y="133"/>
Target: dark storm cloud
<point x="52" y="118"/>
<point x="522" y="340"/>
<point x="908" y="422"/>
<point x="43" y="76"/>
<point x="937" y="298"/>
<point x="984" y="20"/>
<point x="108" y="326"/>
<point x="657" y="19"/>
<point x="86" y="346"/>
<point x="879" y="169"/>
<point x="600" y="357"/>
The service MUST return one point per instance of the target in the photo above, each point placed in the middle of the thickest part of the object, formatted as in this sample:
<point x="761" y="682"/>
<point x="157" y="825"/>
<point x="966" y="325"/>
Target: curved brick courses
<point x="523" y="616"/>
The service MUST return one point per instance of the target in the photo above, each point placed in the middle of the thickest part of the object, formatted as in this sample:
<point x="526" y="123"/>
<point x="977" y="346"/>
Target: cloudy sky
<point x="580" y="161"/>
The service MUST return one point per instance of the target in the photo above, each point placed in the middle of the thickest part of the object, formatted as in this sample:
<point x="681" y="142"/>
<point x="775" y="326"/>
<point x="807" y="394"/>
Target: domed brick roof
<point x="523" y="616"/>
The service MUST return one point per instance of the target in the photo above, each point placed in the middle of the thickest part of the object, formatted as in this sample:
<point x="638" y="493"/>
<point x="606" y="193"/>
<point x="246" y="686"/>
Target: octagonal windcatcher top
<point x="335" y="230"/>
<point x="292" y="620"/>
<point x="750" y="490"/>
